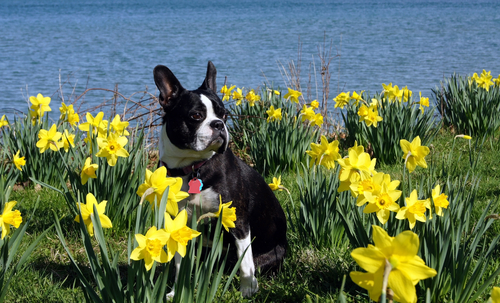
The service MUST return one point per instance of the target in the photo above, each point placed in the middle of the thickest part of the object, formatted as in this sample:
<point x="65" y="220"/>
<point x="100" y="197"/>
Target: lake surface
<point x="97" y="44"/>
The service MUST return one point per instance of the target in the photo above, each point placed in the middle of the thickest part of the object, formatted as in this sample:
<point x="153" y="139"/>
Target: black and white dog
<point x="194" y="145"/>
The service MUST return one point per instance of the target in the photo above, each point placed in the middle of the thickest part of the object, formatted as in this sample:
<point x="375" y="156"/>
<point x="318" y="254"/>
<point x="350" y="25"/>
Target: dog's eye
<point x="196" y="116"/>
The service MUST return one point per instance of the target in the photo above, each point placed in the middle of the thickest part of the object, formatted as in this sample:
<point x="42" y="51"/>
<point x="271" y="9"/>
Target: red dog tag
<point x="195" y="186"/>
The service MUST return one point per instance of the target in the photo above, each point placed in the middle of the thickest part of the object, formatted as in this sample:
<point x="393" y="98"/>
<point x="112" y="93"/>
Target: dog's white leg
<point x="177" y="259"/>
<point x="249" y="284"/>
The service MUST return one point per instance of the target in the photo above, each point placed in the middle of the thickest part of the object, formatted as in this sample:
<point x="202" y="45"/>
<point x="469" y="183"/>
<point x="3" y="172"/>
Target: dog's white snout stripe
<point x="211" y="123"/>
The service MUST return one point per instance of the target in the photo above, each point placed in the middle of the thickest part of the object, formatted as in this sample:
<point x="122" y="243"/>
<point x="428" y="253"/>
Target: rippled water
<point x="100" y="43"/>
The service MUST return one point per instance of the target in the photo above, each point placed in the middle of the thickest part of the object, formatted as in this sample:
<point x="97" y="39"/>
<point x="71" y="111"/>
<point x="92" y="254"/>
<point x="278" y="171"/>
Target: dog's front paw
<point x="170" y="295"/>
<point x="249" y="286"/>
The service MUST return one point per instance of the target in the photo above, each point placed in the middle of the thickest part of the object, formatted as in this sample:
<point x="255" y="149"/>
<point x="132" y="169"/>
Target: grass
<point x="307" y="271"/>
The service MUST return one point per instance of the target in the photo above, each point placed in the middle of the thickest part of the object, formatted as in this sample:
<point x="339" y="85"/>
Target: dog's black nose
<point x="217" y="124"/>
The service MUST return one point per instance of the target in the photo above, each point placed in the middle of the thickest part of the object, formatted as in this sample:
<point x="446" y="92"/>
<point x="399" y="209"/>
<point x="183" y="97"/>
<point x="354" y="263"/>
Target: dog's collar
<point x="182" y="171"/>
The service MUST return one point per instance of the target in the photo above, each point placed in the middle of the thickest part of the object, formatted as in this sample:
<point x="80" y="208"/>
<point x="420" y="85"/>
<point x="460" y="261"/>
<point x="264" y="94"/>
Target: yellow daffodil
<point x="342" y="99"/>
<point x="324" y="153"/>
<point x="371" y="186"/>
<point x="150" y="247"/>
<point x="414" y="154"/>
<point x="372" y="118"/>
<point x="251" y="97"/>
<point x="159" y="181"/>
<point x="10" y="217"/>
<point x="40" y="102"/>
<point x="497" y="81"/>
<point x="238" y="96"/>
<point x="357" y="97"/>
<point x="397" y="94"/>
<point x="484" y="80"/>
<point x="35" y="115"/>
<point x="68" y="114"/>
<point x="359" y="188"/>
<point x="65" y="110"/>
<point x="406" y="93"/>
<point x="87" y="211"/>
<point x="357" y="162"/>
<point x="317" y="120"/>
<point x="4" y="122"/>
<point x="382" y="199"/>
<point x="88" y="171"/>
<point x="374" y="104"/>
<point x="276" y="185"/>
<point x="68" y="140"/>
<point x="226" y="92"/>
<point x="180" y="234"/>
<point x="414" y="210"/>
<point x="362" y="112"/>
<point x="407" y="268"/>
<point x="292" y="95"/>
<point x="73" y="119"/>
<point x="119" y="127"/>
<point x="440" y="200"/>
<point x="388" y="91"/>
<point x="273" y="114"/>
<point x="314" y="104"/>
<point x="307" y="113"/>
<point x="228" y="214"/>
<point x="463" y="136"/>
<point x="19" y="161"/>
<point x="423" y="102"/>
<point x="495" y="294"/>
<point x="112" y="147"/>
<point x="49" y="139"/>
<point x="96" y="123"/>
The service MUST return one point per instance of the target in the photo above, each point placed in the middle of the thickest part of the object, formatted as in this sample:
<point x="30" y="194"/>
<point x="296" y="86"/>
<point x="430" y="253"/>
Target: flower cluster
<point x="238" y="96"/>
<point x="68" y="114"/>
<point x="176" y="234"/>
<point x="485" y="80"/>
<point x="308" y="113"/>
<point x="375" y="190"/>
<point x="393" y="93"/>
<point x="174" y="237"/>
<point x="40" y="105"/>
<point x="324" y="153"/>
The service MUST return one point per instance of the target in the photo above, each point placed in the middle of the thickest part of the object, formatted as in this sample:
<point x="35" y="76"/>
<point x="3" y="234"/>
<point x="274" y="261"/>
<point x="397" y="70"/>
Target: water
<point x="101" y="43"/>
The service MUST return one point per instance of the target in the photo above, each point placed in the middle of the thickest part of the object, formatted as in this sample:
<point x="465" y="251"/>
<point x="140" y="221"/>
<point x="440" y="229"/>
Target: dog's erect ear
<point x="167" y="83"/>
<point x="210" y="78"/>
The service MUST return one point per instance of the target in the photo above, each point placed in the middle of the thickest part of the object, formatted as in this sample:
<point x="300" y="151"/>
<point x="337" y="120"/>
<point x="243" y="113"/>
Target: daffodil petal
<point x="370" y="259"/>
<point x="404" y="290"/>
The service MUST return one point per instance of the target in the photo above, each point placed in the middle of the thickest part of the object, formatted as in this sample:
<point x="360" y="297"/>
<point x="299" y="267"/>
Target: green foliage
<point x="198" y="280"/>
<point x="22" y="135"/>
<point x="470" y="109"/>
<point x="401" y="120"/>
<point x="116" y="184"/>
<point x="12" y="262"/>
<point x="458" y="247"/>
<point x="318" y="223"/>
<point x="275" y="144"/>
<point x="201" y="278"/>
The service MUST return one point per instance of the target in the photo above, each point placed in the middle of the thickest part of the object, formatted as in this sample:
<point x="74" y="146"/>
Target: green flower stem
<point x="387" y="271"/>
<point x="204" y="216"/>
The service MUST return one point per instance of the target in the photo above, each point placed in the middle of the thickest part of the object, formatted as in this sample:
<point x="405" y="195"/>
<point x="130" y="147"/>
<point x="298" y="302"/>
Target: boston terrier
<point x="194" y="146"/>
